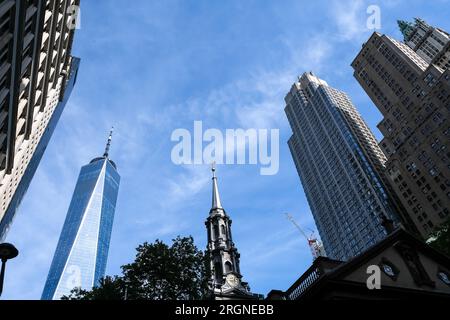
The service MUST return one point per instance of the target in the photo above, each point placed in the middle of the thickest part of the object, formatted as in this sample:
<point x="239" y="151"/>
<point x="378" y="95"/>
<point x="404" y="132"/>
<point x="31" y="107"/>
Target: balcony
<point x="4" y="41"/>
<point x="5" y="6"/>
<point x="4" y="68"/>
<point x="319" y="268"/>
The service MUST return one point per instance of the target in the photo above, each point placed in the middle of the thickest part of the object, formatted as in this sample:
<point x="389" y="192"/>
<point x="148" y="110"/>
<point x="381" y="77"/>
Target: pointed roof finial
<point x="108" y="144"/>
<point x="406" y="28"/>
<point x="213" y="169"/>
<point x="216" y="204"/>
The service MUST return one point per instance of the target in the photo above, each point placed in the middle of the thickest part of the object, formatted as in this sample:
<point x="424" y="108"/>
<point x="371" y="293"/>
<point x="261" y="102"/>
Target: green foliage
<point x="440" y="239"/>
<point x="159" y="272"/>
<point x="110" y="288"/>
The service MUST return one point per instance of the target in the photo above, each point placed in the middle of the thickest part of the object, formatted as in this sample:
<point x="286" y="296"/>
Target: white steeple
<point x="216" y="204"/>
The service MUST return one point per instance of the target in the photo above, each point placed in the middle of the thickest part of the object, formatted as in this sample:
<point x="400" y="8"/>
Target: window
<point x="444" y="277"/>
<point x="216" y="232"/>
<point x="224" y="230"/>
<point x="228" y="267"/>
<point x="218" y="271"/>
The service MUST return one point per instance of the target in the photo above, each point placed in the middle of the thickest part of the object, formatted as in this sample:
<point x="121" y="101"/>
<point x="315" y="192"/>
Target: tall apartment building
<point x="431" y="44"/>
<point x="409" y="82"/>
<point x="338" y="160"/>
<point x="37" y="74"/>
<point x="82" y="251"/>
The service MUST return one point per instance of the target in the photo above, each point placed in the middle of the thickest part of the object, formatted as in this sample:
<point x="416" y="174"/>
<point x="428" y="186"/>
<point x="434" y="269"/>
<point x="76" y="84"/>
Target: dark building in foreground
<point x="409" y="82"/>
<point x="408" y="269"/>
<point x="82" y="252"/>
<point x="338" y="161"/>
<point x="37" y="75"/>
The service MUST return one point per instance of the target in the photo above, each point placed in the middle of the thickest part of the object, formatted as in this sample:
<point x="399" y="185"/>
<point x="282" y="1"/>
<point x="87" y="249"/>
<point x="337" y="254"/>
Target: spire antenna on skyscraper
<point x="108" y="144"/>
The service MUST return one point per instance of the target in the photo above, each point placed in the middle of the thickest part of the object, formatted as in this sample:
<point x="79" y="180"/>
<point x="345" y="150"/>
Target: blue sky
<point x="150" y="67"/>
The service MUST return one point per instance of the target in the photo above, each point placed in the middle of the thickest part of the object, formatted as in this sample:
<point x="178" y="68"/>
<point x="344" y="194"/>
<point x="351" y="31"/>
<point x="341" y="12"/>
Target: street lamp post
<point x="7" y="252"/>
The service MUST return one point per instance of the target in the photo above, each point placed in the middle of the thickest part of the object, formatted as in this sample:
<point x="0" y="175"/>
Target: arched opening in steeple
<point x="218" y="271"/>
<point x="228" y="267"/>
<point x="216" y="232"/>
<point x="224" y="231"/>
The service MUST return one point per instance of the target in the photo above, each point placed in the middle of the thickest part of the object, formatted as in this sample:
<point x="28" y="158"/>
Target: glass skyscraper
<point x="338" y="160"/>
<point x="82" y="251"/>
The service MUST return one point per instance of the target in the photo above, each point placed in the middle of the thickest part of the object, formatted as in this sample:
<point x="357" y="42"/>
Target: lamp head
<point x="8" y="251"/>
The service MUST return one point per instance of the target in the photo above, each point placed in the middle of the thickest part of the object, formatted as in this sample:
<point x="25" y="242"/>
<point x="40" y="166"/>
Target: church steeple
<point x="226" y="279"/>
<point x="216" y="204"/>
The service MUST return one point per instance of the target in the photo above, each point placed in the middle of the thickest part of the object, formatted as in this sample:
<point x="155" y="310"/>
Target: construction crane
<point x="314" y="244"/>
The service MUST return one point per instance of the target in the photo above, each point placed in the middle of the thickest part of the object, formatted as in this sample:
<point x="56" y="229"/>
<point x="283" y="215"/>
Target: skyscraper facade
<point x="409" y="82"/>
<point x="430" y="43"/>
<point x="226" y="279"/>
<point x="37" y="75"/>
<point x="81" y="255"/>
<point x="338" y="160"/>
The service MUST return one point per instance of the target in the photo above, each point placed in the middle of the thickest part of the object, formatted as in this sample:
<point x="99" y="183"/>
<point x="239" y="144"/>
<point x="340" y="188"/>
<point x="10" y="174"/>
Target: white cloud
<point x="350" y="19"/>
<point x="186" y="185"/>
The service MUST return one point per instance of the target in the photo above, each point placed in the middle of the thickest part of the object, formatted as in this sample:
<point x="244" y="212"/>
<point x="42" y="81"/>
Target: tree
<point x="159" y="272"/>
<point x="110" y="288"/>
<point x="440" y="239"/>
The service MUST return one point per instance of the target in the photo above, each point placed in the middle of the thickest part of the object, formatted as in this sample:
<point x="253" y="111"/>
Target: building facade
<point x="338" y="161"/>
<point x="406" y="268"/>
<point x="226" y="279"/>
<point x="37" y="75"/>
<point x="409" y="82"/>
<point x="81" y="255"/>
<point x="431" y="44"/>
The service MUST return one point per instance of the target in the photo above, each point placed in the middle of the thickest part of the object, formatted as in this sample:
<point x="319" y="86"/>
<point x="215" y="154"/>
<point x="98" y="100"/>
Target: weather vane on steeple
<point x="108" y="145"/>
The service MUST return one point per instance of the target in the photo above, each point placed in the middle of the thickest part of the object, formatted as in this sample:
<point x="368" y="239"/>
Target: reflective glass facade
<point x="82" y="251"/>
<point x="335" y="161"/>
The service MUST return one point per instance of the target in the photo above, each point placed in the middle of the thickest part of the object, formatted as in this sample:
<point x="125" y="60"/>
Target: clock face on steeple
<point x="232" y="280"/>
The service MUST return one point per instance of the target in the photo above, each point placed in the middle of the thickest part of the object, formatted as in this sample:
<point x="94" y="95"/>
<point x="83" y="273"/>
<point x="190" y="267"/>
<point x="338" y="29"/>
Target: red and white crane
<point x="314" y="244"/>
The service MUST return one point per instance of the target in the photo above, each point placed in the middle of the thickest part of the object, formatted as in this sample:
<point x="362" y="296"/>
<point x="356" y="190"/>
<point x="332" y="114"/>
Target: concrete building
<point x="37" y="74"/>
<point x="410" y="84"/>
<point x="338" y="161"/>
<point x="431" y="44"/>
<point x="82" y="252"/>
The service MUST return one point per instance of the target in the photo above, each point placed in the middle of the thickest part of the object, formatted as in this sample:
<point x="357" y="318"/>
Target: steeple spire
<point x="108" y="144"/>
<point x="226" y="279"/>
<point x="216" y="204"/>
